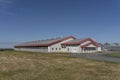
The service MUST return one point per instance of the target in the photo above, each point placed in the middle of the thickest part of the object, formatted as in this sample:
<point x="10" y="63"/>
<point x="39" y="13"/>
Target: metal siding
<point x="32" y="50"/>
<point x="58" y="45"/>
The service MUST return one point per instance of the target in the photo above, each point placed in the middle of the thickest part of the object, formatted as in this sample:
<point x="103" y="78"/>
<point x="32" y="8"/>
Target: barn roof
<point x="79" y="41"/>
<point x="46" y="42"/>
<point x="76" y="41"/>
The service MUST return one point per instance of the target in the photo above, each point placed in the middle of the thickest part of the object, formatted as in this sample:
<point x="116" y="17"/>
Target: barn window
<point x="52" y="48"/>
<point x="56" y="48"/>
<point x="68" y="49"/>
<point x="89" y="48"/>
<point x="63" y="46"/>
<point x="59" y="48"/>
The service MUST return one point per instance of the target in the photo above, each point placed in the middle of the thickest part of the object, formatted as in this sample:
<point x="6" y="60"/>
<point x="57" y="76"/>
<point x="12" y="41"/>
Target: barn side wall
<point x="58" y="48"/>
<point x="32" y="49"/>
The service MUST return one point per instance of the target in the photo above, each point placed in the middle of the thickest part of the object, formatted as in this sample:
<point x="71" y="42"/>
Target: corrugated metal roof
<point x="75" y="41"/>
<point x="45" y="42"/>
<point x="79" y="41"/>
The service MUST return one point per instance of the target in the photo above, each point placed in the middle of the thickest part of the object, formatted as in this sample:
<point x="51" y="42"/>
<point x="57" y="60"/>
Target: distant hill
<point x="8" y="44"/>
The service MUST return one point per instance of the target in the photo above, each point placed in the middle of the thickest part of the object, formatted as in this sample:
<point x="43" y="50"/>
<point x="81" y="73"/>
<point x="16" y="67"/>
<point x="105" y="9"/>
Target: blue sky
<point x="26" y="20"/>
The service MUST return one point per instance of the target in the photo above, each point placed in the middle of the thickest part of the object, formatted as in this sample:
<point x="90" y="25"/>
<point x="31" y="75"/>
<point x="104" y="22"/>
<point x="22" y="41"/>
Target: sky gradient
<point x="27" y="20"/>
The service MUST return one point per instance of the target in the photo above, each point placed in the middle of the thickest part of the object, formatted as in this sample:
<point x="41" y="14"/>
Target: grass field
<point x="115" y="55"/>
<point x="36" y="66"/>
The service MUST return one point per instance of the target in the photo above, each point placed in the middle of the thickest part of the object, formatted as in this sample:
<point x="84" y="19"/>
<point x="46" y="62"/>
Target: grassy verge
<point x="115" y="55"/>
<point x="38" y="66"/>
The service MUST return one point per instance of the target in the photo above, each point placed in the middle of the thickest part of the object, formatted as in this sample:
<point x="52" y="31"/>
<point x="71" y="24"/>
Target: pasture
<point x="41" y="66"/>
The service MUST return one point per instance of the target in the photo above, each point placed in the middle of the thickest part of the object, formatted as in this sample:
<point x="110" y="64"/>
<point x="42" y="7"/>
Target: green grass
<point x="39" y="66"/>
<point x="115" y="55"/>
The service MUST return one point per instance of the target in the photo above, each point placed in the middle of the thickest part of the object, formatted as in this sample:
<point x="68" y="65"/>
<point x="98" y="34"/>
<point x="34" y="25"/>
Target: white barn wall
<point x="78" y="49"/>
<point x="90" y="51"/>
<point x="99" y="49"/>
<point x="58" y="45"/>
<point x="49" y="50"/>
<point x="32" y="50"/>
<point x="74" y="49"/>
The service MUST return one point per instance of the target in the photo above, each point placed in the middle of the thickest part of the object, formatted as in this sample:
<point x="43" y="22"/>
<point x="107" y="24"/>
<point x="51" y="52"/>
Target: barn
<point x="86" y="45"/>
<point x="47" y="45"/>
<point x="61" y="44"/>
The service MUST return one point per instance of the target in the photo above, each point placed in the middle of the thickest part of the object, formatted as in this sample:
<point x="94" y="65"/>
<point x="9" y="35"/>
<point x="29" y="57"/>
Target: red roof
<point x="43" y="43"/>
<point x="78" y="42"/>
<point x="95" y="44"/>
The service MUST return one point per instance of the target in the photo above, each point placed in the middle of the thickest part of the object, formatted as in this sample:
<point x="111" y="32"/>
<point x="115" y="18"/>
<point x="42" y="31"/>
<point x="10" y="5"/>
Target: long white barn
<point x="64" y="44"/>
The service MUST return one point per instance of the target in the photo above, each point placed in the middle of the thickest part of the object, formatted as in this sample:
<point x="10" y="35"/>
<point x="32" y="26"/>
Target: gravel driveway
<point x="97" y="56"/>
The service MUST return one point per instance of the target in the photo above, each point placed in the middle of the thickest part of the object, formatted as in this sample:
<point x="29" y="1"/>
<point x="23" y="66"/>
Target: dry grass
<point x="36" y="66"/>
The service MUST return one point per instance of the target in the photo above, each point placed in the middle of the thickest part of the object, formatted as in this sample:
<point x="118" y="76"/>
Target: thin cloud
<point x="5" y="5"/>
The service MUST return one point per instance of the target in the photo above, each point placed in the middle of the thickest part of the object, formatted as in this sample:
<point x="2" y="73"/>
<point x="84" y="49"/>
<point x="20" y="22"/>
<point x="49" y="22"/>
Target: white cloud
<point x="5" y="5"/>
